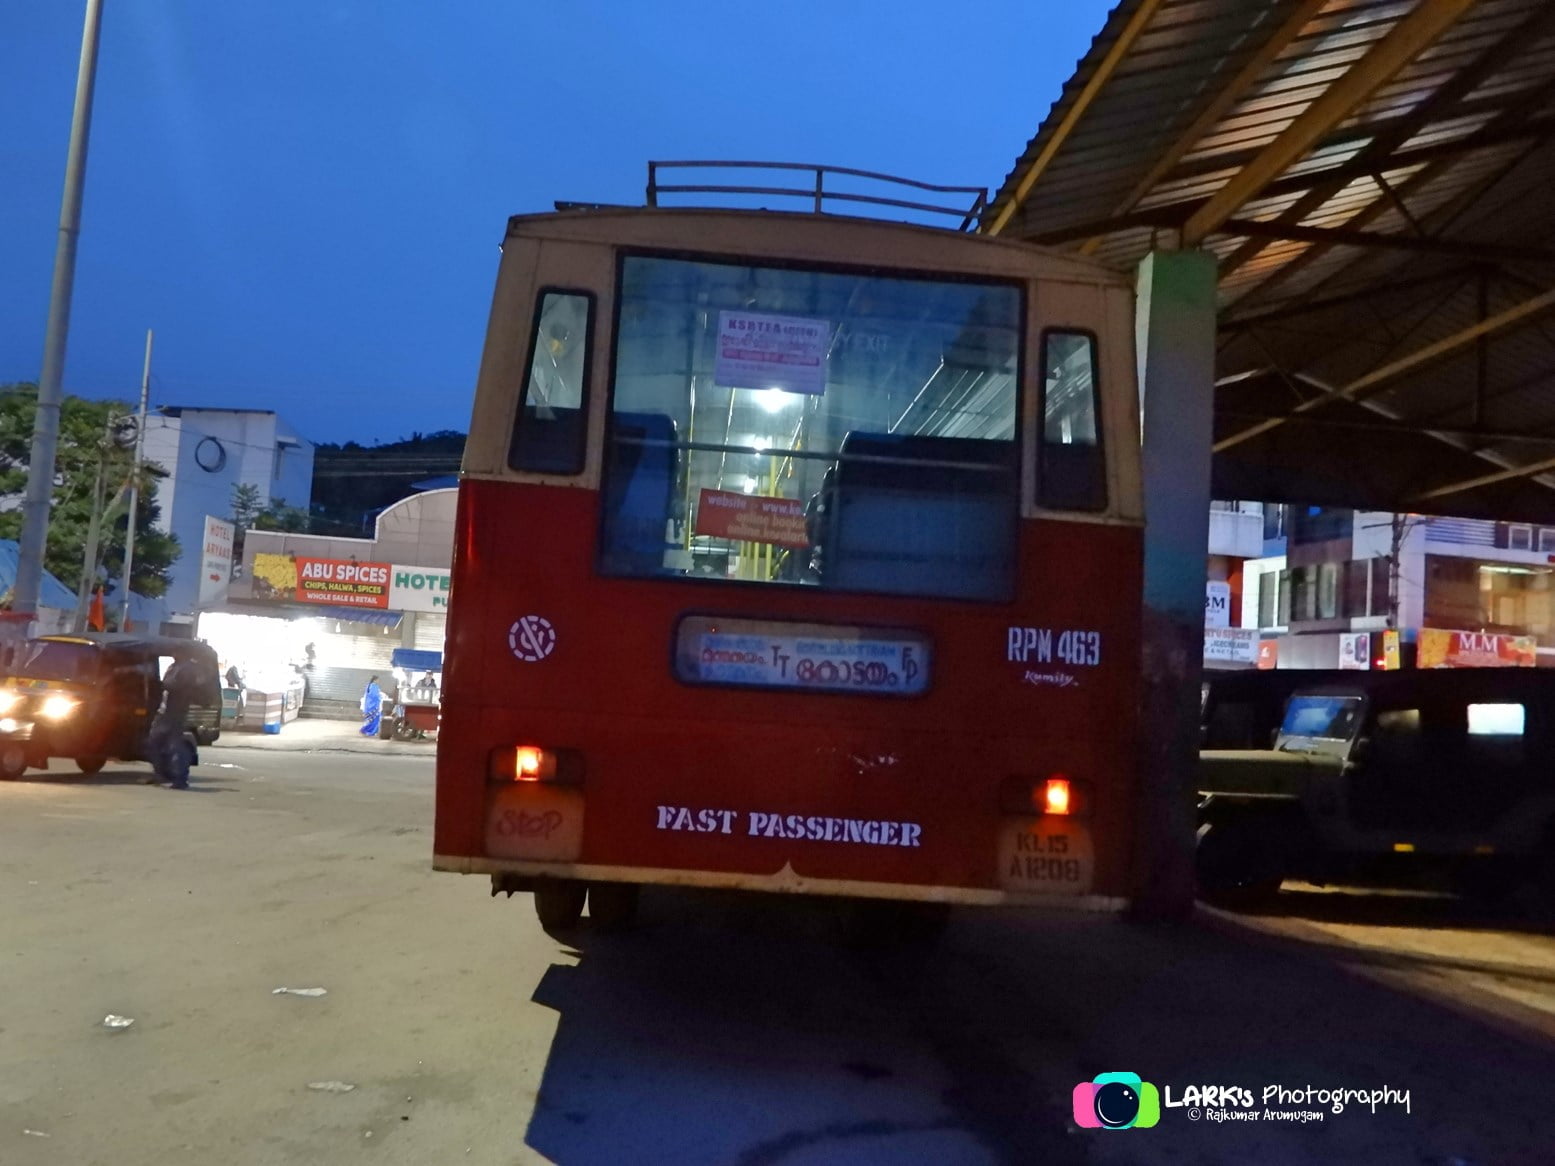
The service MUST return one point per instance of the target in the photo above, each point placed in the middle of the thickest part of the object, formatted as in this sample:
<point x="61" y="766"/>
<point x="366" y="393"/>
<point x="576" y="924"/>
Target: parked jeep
<point x="1393" y="778"/>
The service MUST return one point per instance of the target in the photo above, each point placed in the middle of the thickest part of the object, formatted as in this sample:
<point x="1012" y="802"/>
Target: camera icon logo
<point x="1116" y="1101"/>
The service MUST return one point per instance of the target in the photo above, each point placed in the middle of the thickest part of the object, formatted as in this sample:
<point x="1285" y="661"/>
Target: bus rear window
<point x="782" y="425"/>
<point x="1072" y="474"/>
<point x="550" y="433"/>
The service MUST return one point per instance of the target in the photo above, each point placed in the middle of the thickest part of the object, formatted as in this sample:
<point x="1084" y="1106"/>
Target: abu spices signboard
<point x="329" y="582"/>
<point x="351" y="583"/>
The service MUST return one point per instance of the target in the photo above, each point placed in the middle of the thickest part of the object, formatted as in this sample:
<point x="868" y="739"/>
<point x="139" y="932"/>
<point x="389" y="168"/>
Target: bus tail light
<point x="1057" y="795"/>
<point x="533" y="763"/>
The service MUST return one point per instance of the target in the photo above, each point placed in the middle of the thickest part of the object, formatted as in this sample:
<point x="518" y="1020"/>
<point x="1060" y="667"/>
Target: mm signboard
<point x="1439" y="648"/>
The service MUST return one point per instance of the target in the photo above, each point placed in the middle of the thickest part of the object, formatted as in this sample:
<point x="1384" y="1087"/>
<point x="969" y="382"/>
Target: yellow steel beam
<point x="1225" y="97"/>
<point x="1120" y="47"/>
<point x="1396" y="368"/>
<point x="1408" y="38"/>
<point x="1528" y="471"/>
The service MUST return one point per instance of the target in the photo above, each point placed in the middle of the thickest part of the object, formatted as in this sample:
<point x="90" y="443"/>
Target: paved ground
<point x="724" y="1031"/>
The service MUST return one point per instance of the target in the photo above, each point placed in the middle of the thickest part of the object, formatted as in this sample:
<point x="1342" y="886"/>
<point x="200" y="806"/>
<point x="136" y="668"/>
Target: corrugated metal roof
<point x="1418" y="210"/>
<point x="54" y="593"/>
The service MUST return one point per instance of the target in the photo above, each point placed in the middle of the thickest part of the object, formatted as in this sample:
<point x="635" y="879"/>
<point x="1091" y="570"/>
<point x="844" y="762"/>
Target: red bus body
<point x="940" y="796"/>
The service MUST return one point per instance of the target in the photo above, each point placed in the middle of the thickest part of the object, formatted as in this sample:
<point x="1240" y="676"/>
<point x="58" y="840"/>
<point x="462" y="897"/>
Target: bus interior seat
<point x="911" y="514"/>
<point x="641" y="473"/>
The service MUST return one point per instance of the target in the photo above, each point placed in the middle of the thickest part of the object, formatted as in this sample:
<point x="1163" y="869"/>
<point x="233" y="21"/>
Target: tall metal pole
<point x="45" y="431"/>
<point x="140" y="450"/>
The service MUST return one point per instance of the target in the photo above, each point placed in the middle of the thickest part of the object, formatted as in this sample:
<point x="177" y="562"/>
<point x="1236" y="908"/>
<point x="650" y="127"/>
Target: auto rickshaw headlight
<point x="58" y="707"/>
<point x="9" y="700"/>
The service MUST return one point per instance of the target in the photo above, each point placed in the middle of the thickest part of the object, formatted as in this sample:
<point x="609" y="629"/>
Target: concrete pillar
<point x="1175" y="339"/>
<point x="408" y="629"/>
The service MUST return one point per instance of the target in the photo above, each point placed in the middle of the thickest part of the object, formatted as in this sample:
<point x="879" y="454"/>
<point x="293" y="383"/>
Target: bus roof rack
<point x="815" y="190"/>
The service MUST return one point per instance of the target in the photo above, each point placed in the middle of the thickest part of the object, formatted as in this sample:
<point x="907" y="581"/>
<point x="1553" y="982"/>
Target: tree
<point x="245" y="505"/>
<point x="85" y="445"/>
<point x="279" y="516"/>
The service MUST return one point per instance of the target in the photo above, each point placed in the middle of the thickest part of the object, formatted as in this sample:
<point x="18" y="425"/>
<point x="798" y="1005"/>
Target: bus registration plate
<point x="1050" y="856"/>
<point x="824" y="657"/>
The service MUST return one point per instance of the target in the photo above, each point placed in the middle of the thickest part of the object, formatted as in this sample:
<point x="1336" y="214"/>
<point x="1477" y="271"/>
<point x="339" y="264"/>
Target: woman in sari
<point x="372" y="708"/>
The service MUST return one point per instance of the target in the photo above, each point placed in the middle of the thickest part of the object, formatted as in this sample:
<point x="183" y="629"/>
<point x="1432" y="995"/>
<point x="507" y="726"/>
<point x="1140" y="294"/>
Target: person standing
<point x="372" y="708"/>
<point x="170" y="753"/>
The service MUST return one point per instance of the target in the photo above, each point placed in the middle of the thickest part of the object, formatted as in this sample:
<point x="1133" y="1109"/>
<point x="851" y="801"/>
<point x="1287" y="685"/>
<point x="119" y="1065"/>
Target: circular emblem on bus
<point x="532" y="638"/>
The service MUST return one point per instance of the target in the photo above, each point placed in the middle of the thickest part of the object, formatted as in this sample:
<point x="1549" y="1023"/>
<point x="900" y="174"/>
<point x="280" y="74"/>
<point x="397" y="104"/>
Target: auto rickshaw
<point x="96" y="697"/>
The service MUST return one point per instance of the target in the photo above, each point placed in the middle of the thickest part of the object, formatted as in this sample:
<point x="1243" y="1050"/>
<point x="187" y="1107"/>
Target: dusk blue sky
<point x="304" y="198"/>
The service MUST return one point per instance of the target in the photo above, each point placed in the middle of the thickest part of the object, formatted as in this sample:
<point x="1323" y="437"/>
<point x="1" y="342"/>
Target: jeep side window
<point x="1396" y="737"/>
<point x="1495" y="734"/>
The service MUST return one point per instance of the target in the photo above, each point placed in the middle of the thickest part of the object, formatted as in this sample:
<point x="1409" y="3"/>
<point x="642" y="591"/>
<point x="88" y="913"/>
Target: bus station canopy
<point x="1374" y="178"/>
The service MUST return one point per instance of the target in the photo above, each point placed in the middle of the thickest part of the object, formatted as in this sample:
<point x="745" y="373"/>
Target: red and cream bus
<point x="794" y="553"/>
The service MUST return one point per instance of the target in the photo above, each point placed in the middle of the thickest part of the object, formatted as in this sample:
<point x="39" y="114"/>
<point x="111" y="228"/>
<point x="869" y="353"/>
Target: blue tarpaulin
<point x="380" y="619"/>
<point x="52" y="594"/>
<point x="416" y="660"/>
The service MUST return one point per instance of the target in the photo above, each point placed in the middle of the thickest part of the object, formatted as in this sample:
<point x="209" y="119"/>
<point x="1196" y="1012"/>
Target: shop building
<point x="1347" y="577"/>
<point x="333" y="610"/>
<point x="1236" y="536"/>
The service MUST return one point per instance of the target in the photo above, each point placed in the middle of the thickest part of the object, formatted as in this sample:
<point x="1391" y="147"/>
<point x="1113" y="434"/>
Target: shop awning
<point x="379" y="619"/>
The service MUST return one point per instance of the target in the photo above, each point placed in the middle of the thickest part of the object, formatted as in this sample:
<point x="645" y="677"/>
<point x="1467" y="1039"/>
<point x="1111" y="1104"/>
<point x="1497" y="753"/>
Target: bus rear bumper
<point x="785" y="881"/>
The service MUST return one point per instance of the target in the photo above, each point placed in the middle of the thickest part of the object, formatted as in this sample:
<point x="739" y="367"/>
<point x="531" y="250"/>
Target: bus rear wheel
<point x="613" y="906"/>
<point x="559" y="903"/>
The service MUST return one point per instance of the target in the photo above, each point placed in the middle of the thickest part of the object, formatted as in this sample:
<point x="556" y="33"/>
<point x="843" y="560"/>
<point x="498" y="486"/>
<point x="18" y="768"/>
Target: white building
<point x="207" y="452"/>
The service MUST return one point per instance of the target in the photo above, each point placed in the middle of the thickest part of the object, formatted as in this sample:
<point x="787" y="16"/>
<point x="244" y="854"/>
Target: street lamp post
<point x="45" y="431"/>
<point x="140" y="453"/>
